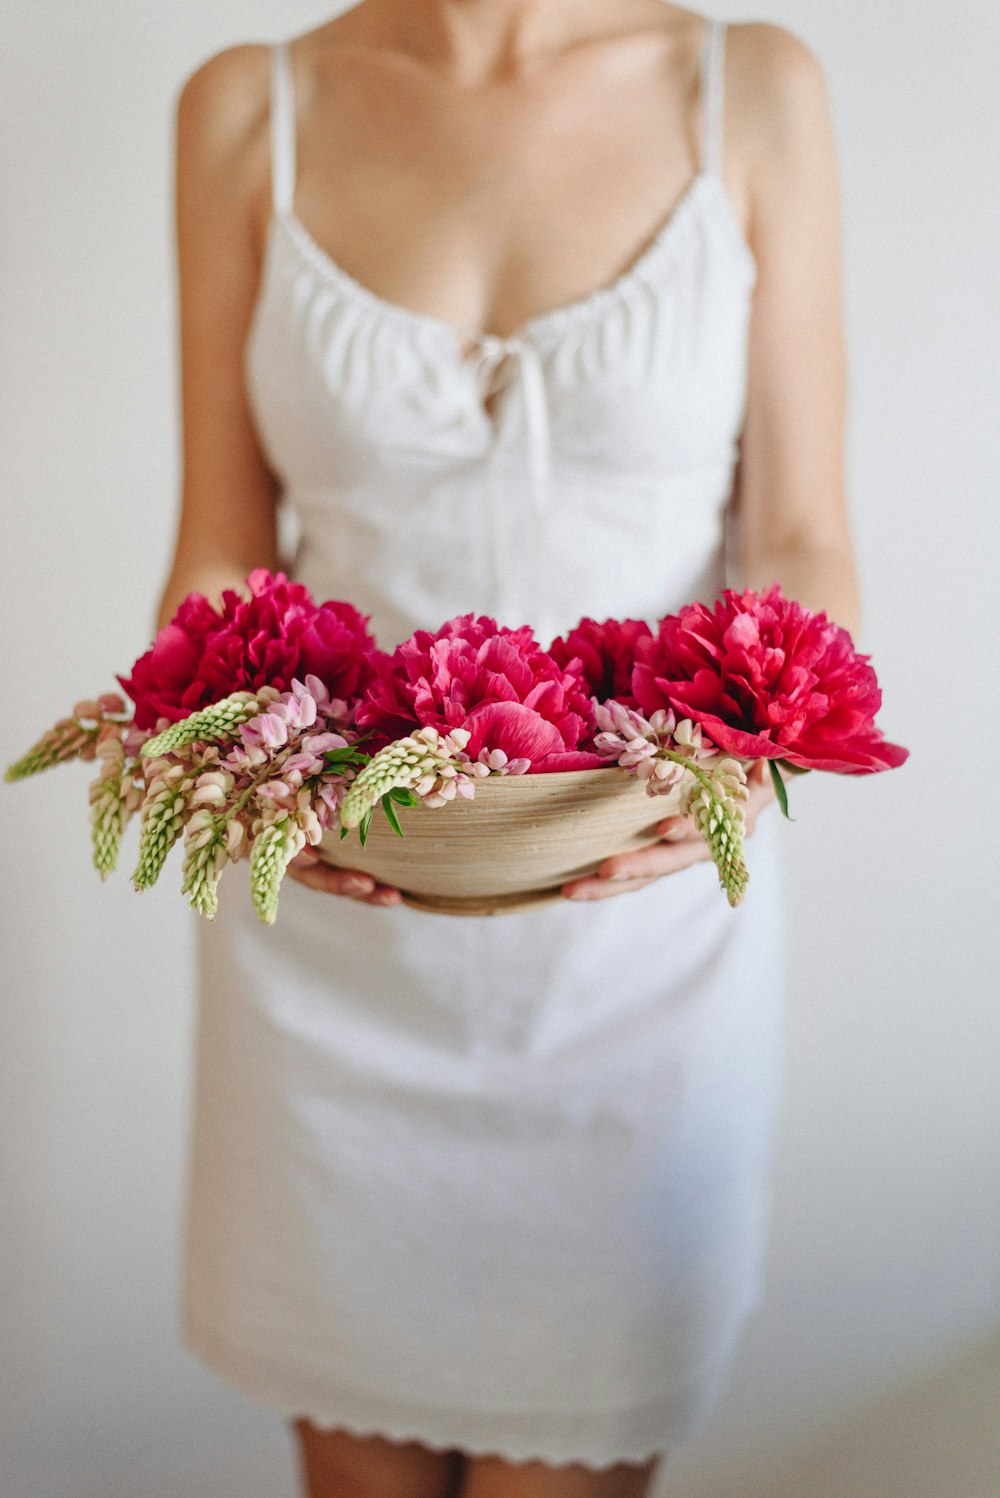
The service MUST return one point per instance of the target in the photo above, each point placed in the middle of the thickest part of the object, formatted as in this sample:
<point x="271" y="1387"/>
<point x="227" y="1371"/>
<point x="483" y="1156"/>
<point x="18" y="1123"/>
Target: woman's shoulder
<point x="227" y="87"/>
<point x="771" y="52"/>
<point x="771" y="72"/>
<point x="221" y="123"/>
<point x="777" y="99"/>
<point x="230" y="87"/>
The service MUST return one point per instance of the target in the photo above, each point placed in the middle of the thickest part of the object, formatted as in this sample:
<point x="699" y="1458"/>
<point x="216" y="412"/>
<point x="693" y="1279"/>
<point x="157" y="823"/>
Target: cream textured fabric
<point x="497" y="1184"/>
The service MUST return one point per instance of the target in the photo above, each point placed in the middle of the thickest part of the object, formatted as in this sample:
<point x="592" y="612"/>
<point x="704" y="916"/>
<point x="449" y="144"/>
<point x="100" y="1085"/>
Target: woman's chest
<point x="482" y="202"/>
<point x="645" y="376"/>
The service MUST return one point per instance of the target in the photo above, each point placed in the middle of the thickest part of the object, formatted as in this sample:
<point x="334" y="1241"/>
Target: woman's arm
<point x="228" y="520"/>
<point x="228" y="500"/>
<point x="789" y="486"/>
<point x="790" y="501"/>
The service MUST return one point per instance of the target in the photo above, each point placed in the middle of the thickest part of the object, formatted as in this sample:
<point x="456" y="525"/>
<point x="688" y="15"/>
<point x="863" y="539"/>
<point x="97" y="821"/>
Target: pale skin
<point x="443" y="147"/>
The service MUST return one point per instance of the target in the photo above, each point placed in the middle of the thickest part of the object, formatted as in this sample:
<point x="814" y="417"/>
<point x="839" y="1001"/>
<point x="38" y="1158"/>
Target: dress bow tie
<point x="498" y="363"/>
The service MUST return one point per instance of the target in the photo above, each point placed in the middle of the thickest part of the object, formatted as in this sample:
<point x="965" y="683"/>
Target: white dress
<point x="497" y="1184"/>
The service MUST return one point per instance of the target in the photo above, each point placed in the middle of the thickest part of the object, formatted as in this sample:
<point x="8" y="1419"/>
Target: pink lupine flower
<point x="133" y="739"/>
<point x="272" y="638"/>
<point x="245" y="758"/>
<point x="637" y="744"/>
<point x="308" y="820"/>
<point x="300" y="711"/>
<point x="498" y="763"/>
<point x="281" y="791"/>
<point x="270" y="728"/>
<point x="496" y="683"/>
<point x="767" y="679"/>
<point x="299" y="767"/>
<point x="322" y="743"/>
<point x="328" y="801"/>
<point x="237" y="841"/>
<point x="211" y="789"/>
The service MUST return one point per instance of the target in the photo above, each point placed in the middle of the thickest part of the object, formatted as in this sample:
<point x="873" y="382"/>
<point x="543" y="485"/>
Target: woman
<point x="481" y="1205"/>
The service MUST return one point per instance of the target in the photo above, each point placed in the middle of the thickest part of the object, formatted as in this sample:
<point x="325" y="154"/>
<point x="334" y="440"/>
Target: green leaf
<point x="339" y="759"/>
<point x="365" y="824"/>
<point x="390" y="814"/>
<point x="779" y="788"/>
<point x="404" y="796"/>
<point x="344" y="831"/>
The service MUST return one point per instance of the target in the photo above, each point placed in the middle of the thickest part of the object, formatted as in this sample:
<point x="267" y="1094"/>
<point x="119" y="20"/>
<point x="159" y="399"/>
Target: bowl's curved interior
<point x="520" y="833"/>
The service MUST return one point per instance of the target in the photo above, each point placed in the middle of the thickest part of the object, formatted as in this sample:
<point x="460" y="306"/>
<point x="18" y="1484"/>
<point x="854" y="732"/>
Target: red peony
<point x="276" y="635"/>
<point x="606" y="654"/>
<point x="767" y="679"/>
<point x="498" y="683"/>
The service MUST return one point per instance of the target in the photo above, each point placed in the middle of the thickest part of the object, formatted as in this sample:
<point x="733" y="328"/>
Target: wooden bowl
<point x="514" y="845"/>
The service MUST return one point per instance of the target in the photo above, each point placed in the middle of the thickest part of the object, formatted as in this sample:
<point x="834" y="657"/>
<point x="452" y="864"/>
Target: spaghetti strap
<point x="712" y="92"/>
<point x="282" y="130"/>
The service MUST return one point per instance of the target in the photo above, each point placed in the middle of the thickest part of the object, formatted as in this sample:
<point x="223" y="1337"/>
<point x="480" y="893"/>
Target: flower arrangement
<point x="267" y="723"/>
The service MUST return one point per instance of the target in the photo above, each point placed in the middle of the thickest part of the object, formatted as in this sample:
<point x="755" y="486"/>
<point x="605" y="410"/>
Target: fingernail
<point x="355" y="886"/>
<point x="674" y="835"/>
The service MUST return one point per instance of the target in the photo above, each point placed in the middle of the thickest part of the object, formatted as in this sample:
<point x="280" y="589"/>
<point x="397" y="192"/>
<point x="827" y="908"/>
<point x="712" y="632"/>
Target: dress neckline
<point x="578" y="308"/>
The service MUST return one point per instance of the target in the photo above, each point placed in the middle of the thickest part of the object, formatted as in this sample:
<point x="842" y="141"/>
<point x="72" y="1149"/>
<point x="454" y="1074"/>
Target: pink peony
<point x="606" y="654"/>
<point x="498" y="683"/>
<point x="767" y="679"/>
<point x="276" y="635"/>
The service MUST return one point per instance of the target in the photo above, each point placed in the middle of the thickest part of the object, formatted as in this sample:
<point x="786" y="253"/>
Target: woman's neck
<point x="474" y="40"/>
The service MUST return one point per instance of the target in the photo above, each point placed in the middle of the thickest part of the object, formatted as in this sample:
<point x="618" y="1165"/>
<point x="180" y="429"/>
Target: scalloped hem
<point x="596" y="1439"/>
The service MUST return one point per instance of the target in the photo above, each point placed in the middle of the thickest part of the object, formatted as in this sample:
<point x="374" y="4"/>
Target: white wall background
<point x="884" y="1255"/>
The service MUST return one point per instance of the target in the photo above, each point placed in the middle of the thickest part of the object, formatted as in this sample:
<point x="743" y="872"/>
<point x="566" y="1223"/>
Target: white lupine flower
<point x="208" y="795"/>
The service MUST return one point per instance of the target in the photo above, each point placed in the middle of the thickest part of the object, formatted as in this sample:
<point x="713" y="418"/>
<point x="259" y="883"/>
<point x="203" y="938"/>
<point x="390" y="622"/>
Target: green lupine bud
<point x="273" y="849"/>
<point x="204" y="859"/>
<point x="399" y="766"/>
<point x="64" y="741"/>
<point x="161" y="825"/>
<point x="717" y="809"/>
<point x="108" y="816"/>
<point x="220" y="721"/>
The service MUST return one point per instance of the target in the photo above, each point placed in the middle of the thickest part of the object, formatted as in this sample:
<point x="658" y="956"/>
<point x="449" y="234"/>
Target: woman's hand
<point x="681" y="845"/>
<point x="307" y="868"/>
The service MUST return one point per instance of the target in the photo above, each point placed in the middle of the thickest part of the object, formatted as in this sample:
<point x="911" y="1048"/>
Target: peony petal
<point x="860" y="758"/>
<point x="575" y="759"/>
<point x="737" y="741"/>
<point x="515" y="729"/>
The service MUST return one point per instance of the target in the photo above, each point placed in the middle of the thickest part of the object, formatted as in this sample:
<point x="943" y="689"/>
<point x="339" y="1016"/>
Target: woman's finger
<point x="602" y="889"/>
<point x="352" y="883"/>
<point x="651" y="863"/>
<point x="627" y="871"/>
<point x="676" y="829"/>
<point x="315" y="875"/>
